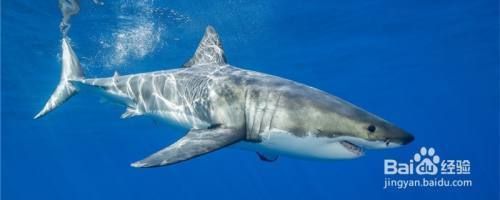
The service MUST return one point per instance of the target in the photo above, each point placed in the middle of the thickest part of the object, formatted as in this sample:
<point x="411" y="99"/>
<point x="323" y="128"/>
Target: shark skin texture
<point x="223" y="106"/>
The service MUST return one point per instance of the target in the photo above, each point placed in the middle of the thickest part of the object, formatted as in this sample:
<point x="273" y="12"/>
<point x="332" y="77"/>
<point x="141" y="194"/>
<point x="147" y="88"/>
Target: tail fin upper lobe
<point x="71" y="70"/>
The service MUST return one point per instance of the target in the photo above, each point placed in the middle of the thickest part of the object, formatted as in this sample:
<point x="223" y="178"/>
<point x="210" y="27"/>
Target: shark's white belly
<point x="280" y="142"/>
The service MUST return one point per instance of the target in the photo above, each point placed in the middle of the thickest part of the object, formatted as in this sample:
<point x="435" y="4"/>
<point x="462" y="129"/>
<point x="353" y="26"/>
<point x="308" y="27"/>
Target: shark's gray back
<point x="267" y="102"/>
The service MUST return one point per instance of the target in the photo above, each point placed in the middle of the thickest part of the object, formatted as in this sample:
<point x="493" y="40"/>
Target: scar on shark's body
<point x="223" y="105"/>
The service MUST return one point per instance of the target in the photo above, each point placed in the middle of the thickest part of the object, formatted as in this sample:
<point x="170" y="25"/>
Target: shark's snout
<point x="399" y="138"/>
<point x="387" y="136"/>
<point x="405" y="139"/>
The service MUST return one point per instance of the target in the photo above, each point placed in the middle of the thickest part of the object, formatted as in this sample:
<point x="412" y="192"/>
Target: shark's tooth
<point x="352" y="147"/>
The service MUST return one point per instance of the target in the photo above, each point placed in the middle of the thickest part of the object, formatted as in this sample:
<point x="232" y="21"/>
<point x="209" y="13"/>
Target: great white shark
<point x="223" y="105"/>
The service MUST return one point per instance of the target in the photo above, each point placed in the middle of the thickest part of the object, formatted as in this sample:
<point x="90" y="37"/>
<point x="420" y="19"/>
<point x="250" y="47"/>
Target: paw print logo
<point x="427" y="161"/>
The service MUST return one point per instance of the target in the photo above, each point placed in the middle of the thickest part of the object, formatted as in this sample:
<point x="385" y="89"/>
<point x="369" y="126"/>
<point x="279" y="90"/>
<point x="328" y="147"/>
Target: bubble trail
<point x="68" y="9"/>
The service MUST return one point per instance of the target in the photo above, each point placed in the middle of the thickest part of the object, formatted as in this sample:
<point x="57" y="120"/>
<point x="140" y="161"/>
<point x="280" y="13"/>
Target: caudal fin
<point x="71" y="70"/>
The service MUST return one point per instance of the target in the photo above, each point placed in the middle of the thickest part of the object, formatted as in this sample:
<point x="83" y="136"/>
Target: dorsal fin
<point x="209" y="50"/>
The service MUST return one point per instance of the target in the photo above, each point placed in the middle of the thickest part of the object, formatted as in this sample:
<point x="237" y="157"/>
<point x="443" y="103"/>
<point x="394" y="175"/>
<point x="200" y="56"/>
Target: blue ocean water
<point x="431" y="67"/>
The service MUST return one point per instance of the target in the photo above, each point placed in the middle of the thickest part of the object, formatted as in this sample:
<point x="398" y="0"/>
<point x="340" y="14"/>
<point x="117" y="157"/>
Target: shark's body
<point x="225" y="105"/>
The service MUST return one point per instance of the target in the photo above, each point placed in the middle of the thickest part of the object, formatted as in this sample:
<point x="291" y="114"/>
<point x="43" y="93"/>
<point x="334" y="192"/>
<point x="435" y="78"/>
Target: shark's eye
<point x="371" y="128"/>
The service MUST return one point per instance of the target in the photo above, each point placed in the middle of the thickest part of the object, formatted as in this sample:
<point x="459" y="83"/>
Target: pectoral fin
<point x="130" y="113"/>
<point x="267" y="157"/>
<point x="194" y="143"/>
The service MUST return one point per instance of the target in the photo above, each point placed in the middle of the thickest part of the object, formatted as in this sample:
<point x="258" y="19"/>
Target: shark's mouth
<point x="352" y="147"/>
